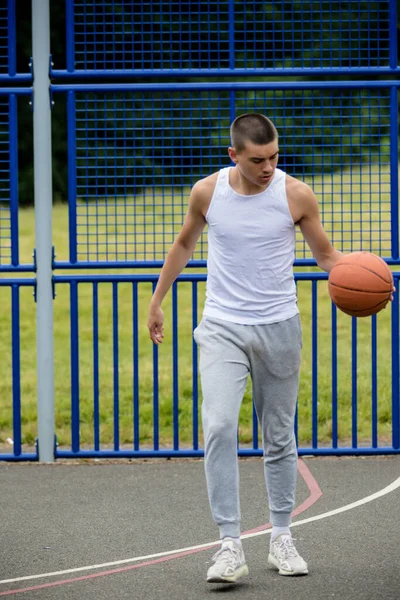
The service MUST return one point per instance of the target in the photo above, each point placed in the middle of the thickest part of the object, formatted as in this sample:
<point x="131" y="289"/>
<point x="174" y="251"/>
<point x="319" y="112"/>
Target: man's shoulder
<point x="204" y="188"/>
<point x="295" y="188"/>
<point x="301" y="198"/>
<point x="203" y="191"/>
<point x="201" y="194"/>
<point x="297" y="185"/>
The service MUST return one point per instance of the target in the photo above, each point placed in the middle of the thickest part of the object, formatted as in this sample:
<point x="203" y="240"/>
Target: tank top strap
<point x="279" y="178"/>
<point x="220" y="190"/>
<point x="223" y="177"/>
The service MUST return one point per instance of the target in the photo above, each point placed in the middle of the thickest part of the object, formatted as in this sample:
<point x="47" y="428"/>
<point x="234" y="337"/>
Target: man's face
<point x="257" y="163"/>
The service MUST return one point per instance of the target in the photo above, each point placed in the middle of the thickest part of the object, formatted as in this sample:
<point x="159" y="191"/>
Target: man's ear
<point x="232" y="154"/>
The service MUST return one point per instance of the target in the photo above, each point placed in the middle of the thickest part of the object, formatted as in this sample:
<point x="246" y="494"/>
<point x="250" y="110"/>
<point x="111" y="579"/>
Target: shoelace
<point x="287" y="548"/>
<point x="229" y="554"/>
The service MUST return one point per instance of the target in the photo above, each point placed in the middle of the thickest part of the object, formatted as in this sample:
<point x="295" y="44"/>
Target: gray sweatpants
<point x="271" y="355"/>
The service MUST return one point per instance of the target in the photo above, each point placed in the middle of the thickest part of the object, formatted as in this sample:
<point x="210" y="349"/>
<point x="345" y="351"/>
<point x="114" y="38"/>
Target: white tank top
<point x="251" y="246"/>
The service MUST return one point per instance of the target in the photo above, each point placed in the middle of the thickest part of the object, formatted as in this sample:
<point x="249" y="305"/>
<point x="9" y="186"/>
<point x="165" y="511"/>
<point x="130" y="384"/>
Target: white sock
<point x="237" y="540"/>
<point x="279" y="531"/>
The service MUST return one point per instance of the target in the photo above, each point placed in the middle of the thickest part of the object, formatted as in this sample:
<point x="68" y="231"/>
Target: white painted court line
<point x="386" y="490"/>
<point x="110" y="564"/>
<point x="389" y="488"/>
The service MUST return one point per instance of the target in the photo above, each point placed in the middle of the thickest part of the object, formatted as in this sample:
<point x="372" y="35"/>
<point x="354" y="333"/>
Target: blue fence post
<point x="96" y="387"/>
<point x="16" y="368"/>
<point x="374" y="382"/>
<point x="395" y="369"/>
<point x="334" y="378"/>
<point x="314" y="351"/>
<point x="155" y="393"/>
<point x="195" y="375"/>
<point x="74" y="350"/>
<point x="136" y="410"/>
<point x="354" y="380"/>
<point x="175" y="387"/>
<point x="115" y="363"/>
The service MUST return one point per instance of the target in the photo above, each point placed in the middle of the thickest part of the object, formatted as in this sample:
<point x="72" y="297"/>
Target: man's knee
<point x="280" y="446"/>
<point x="220" y="430"/>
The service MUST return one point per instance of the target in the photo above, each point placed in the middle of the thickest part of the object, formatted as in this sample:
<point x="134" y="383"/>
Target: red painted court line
<point x="103" y="573"/>
<point x="315" y="494"/>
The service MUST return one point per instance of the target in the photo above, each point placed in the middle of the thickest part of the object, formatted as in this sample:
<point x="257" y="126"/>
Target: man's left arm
<point x="314" y="233"/>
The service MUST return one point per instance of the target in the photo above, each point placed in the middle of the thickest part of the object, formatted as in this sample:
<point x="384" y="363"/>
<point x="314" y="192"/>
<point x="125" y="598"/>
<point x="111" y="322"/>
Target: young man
<point x="250" y="325"/>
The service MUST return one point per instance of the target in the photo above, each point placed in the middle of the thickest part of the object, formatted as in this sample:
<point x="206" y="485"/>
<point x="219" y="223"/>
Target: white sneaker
<point x="229" y="563"/>
<point x="284" y="556"/>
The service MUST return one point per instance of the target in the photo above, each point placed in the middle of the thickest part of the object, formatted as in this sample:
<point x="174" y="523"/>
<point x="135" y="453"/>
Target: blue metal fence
<point x="8" y="45"/>
<point x="7" y="39"/>
<point x="140" y="423"/>
<point x="17" y="306"/>
<point x="9" y="228"/>
<point x="228" y="37"/>
<point x="129" y="174"/>
<point x="135" y="149"/>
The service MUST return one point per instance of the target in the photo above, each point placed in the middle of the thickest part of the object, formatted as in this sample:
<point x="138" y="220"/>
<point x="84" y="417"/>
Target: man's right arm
<point x="178" y="257"/>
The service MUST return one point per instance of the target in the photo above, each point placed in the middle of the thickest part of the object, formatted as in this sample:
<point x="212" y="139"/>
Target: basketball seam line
<point x="366" y="269"/>
<point x="359" y="310"/>
<point x="342" y="287"/>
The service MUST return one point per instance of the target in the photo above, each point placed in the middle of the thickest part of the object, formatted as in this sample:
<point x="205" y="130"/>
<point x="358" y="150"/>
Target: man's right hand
<point x="155" y="324"/>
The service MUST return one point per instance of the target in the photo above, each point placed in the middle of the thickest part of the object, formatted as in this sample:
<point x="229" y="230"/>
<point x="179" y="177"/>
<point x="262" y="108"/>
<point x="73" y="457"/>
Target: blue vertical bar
<point x="232" y="107"/>
<point x="155" y="392"/>
<point x="115" y="364"/>
<point x="314" y="364"/>
<point x="195" y="378"/>
<point x="96" y="403"/>
<point x="74" y="350"/>
<point x="12" y="38"/>
<point x="175" y="391"/>
<point x="16" y="369"/>
<point x="135" y="320"/>
<point x="374" y="382"/>
<point x="393" y="34"/>
<point x="231" y="9"/>
<point x="394" y="171"/>
<point x="334" y="379"/>
<point x="13" y="144"/>
<point x="354" y="400"/>
<point x="70" y="36"/>
<point x="71" y="124"/>
<point x="395" y="368"/>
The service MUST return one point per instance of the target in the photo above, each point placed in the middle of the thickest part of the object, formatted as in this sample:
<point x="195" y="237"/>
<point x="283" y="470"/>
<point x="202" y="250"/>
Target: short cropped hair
<point x="252" y="127"/>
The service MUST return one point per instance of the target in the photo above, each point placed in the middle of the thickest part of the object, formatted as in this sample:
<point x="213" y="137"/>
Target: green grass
<point x="364" y="192"/>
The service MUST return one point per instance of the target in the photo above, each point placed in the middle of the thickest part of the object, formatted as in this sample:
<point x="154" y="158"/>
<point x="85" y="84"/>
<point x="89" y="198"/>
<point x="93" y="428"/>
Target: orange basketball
<point x="360" y="284"/>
